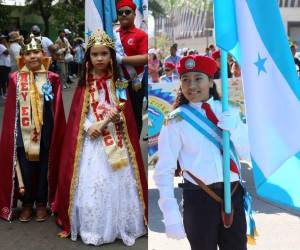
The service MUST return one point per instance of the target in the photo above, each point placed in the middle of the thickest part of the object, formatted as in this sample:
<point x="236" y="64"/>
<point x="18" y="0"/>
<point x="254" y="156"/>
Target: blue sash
<point x="206" y="128"/>
<point x="214" y="134"/>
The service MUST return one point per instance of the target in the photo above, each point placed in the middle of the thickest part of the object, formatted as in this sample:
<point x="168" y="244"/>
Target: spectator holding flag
<point x="135" y="45"/>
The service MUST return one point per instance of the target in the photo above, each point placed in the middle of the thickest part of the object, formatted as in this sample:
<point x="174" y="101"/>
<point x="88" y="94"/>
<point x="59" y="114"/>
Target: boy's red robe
<point x="8" y="179"/>
<point x="73" y="141"/>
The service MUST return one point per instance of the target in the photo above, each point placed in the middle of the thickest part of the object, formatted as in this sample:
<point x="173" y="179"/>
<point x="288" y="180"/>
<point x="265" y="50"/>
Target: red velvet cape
<point x="62" y="200"/>
<point x="8" y="179"/>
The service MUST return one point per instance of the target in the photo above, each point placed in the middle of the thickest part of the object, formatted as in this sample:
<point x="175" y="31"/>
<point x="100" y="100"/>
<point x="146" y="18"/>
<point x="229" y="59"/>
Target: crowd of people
<point x="67" y="54"/>
<point x="54" y="164"/>
<point x="162" y="68"/>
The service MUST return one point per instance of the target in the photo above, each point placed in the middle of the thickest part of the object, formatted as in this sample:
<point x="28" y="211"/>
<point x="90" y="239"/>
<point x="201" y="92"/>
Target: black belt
<point x="217" y="185"/>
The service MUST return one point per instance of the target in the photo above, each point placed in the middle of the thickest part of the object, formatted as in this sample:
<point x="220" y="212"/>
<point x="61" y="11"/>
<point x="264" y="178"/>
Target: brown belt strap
<point x="210" y="192"/>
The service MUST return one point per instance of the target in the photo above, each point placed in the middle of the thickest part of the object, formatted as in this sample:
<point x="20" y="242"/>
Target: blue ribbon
<point x="47" y="90"/>
<point x="121" y="94"/>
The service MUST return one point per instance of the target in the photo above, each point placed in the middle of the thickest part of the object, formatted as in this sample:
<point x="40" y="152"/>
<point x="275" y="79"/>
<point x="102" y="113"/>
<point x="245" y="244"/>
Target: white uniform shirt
<point x="4" y="59"/>
<point x="14" y="51"/>
<point x="46" y="43"/>
<point x="180" y="140"/>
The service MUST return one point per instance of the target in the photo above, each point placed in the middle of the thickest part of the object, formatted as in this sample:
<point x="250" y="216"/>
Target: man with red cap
<point x="216" y="55"/>
<point x="191" y="136"/>
<point x="169" y="76"/>
<point x="135" y="45"/>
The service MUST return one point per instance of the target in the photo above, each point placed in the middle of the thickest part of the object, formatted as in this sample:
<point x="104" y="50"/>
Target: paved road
<point x="42" y="236"/>
<point x="278" y="227"/>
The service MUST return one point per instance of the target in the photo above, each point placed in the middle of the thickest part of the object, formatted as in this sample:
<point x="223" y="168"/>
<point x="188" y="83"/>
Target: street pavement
<point x="43" y="236"/>
<point x="278" y="227"/>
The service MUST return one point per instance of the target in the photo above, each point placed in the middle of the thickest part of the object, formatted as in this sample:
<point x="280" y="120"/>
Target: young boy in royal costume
<point x="32" y="131"/>
<point x="102" y="191"/>
<point x="192" y="136"/>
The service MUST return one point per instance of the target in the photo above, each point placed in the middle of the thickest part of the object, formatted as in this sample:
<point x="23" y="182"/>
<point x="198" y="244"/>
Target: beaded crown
<point x="34" y="44"/>
<point x="99" y="37"/>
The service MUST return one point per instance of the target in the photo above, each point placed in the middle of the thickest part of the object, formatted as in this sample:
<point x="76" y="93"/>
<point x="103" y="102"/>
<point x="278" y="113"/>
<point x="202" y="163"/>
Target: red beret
<point x="128" y="3"/>
<point x="216" y="54"/>
<point x="169" y="65"/>
<point x="196" y="63"/>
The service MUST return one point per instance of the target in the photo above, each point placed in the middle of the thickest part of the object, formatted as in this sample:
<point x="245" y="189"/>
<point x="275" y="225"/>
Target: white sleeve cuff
<point x="87" y="125"/>
<point x="170" y="210"/>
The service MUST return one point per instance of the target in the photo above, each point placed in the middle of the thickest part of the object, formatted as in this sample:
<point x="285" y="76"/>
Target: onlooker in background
<point x="64" y="52"/>
<point x="207" y="52"/>
<point x="135" y="45"/>
<point x="173" y="58"/>
<point x="169" y="76"/>
<point x="235" y="70"/>
<point x="4" y="65"/>
<point x="48" y="45"/>
<point x="217" y="56"/>
<point x="212" y="49"/>
<point x="14" y="48"/>
<point x="79" y="54"/>
<point x="153" y="68"/>
<point x="72" y="66"/>
<point x="297" y="61"/>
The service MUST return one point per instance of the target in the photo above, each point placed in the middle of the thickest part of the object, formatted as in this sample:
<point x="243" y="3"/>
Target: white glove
<point x="227" y="121"/>
<point x="175" y="231"/>
<point x="119" y="58"/>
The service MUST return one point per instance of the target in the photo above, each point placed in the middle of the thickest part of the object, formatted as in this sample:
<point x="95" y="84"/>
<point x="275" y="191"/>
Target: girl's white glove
<point x="175" y="231"/>
<point x="227" y="121"/>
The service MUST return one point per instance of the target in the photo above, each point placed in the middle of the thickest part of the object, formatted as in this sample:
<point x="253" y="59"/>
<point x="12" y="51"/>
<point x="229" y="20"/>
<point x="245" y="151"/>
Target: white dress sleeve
<point x="169" y="145"/>
<point x="239" y="137"/>
<point x="88" y="121"/>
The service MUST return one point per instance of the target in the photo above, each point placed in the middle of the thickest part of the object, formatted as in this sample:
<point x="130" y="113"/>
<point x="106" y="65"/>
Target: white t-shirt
<point x="46" y="42"/>
<point x="4" y="59"/>
<point x="14" y="51"/>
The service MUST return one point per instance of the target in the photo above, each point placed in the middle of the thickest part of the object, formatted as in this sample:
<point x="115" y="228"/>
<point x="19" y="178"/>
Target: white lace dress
<point x="106" y="202"/>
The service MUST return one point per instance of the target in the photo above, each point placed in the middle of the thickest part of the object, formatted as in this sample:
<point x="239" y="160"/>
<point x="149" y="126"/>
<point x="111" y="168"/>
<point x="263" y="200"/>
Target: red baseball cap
<point x="128" y="3"/>
<point x="196" y="63"/>
<point x="169" y="65"/>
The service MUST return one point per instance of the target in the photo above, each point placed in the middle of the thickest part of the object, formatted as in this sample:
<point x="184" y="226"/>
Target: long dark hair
<point x="180" y="98"/>
<point x="87" y="65"/>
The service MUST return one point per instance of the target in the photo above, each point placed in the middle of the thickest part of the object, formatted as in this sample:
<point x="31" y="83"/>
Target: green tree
<point x="3" y="15"/>
<point x="69" y="14"/>
<point x="44" y="8"/>
<point x="155" y="8"/>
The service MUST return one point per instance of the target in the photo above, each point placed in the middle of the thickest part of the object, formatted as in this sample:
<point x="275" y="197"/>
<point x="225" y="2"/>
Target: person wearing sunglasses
<point x="135" y="45"/>
<point x="169" y="76"/>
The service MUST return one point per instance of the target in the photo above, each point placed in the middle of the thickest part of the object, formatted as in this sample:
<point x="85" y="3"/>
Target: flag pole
<point x="225" y="135"/>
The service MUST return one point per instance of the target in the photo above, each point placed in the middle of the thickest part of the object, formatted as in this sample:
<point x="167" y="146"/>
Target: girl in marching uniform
<point x="102" y="189"/>
<point x="191" y="136"/>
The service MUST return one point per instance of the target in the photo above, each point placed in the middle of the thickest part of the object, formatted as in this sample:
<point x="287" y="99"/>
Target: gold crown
<point x="34" y="44"/>
<point x="99" y="37"/>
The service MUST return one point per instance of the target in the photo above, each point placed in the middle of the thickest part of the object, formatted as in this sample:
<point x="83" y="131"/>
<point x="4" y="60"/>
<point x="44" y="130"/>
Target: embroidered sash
<point x="136" y="79"/>
<point x="102" y="98"/>
<point x="31" y="103"/>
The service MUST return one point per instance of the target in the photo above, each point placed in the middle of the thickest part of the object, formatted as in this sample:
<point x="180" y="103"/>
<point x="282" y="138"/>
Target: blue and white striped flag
<point x="141" y="14"/>
<point x="99" y="14"/>
<point x="253" y="32"/>
<point x="93" y="17"/>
